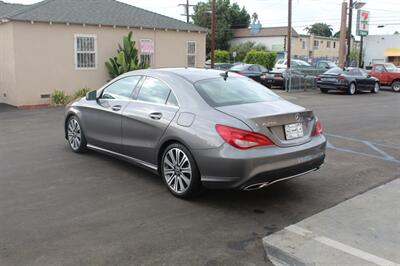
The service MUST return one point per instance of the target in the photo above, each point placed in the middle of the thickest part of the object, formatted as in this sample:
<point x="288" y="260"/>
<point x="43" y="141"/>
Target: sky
<point x="274" y="12"/>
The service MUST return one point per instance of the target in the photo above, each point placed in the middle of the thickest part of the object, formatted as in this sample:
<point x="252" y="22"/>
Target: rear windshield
<point x="239" y="67"/>
<point x="336" y="70"/>
<point x="218" y="92"/>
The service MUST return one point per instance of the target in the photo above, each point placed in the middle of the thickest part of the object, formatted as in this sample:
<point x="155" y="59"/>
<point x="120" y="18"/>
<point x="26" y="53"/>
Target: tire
<point x="352" y="89"/>
<point x="323" y="90"/>
<point x="179" y="172"/>
<point x="75" y="136"/>
<point x="396" y="86"/>
<point x="376" y="88"/>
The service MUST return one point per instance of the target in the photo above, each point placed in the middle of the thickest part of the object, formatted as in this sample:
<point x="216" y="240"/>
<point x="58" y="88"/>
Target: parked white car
<point x="282" y="63"/>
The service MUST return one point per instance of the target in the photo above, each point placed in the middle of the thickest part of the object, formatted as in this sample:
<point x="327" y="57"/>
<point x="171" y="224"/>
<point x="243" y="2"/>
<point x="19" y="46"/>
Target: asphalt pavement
<point x="59" y="208"/>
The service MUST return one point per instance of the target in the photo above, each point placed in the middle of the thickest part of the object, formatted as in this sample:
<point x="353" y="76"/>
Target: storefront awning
<point x="392" y="52"/>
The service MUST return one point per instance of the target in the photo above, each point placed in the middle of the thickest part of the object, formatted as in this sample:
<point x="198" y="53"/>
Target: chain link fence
<point x="301" y="79"/>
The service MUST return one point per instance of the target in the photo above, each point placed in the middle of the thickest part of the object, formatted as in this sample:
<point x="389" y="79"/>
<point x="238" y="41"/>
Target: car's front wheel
<point x="376" y="88"/>
<point x="396" y="86"/>
<point x="76" y="138"/>
<point x="179" y="171"/>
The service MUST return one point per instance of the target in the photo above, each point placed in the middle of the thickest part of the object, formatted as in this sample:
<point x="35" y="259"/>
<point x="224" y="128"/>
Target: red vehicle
<point x="388" y="75"/>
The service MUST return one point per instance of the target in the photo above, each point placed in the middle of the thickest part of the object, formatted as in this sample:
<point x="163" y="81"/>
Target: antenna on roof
<point x="225" y="75"/>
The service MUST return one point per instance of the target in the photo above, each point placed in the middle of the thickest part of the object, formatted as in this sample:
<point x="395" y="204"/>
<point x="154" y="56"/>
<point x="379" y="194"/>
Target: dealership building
<point x="64" y="44"/>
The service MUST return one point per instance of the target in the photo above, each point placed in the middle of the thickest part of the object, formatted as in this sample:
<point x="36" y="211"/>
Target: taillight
<point x="241" y="73"/>
<point x="341" y="78"/>
<point x="318" y="78"/>
<point x="317" y="128"/>
<point x="242" y="139"/>
<point x="278" y="75"/>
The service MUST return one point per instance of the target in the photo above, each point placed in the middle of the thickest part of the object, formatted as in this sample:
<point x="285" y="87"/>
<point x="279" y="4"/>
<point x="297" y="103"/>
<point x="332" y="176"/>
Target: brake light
<point x="241" y="73"/>
<point x="318" y="78"/>
<point x="341" y="77"/>
<point x="317" y="128"/>
<point x="278" y="75"/>
<point x="242" y="139"/>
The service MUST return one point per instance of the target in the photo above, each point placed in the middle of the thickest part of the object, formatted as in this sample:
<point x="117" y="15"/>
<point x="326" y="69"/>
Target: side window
<point x="172" y="100"/>
<point x="380" y="69"/>
<point x="355" y="72"/>
<point x="121" y="89"/>
<point x="154" y="91"/>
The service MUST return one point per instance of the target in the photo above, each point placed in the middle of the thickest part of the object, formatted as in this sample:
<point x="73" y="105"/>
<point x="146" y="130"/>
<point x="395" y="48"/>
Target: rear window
<point x="238" y="67"/>
<point x="336" y="70"/>
<point x="218" y="92"/>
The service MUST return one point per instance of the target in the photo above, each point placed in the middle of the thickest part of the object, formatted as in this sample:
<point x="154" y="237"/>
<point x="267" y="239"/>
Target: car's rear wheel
<point x="179" y="171"/>
<point x="376" y="88"/>
<point x="323" y="90"/>
<point x="352" y="89"/>
<point x="76" y="137"/>
<point x="396" y="86"/>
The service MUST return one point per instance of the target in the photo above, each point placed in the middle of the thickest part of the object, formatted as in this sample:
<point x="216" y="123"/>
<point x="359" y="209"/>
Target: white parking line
<point x="342" y="247"/>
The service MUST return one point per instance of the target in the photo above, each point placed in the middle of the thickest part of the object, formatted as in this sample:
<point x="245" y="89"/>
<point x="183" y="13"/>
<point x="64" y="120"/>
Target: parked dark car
<point x="349" y="80"/>
<point x="219" y="66"/>
<point x="279" y="78"/>
<point x="253" y="71"/>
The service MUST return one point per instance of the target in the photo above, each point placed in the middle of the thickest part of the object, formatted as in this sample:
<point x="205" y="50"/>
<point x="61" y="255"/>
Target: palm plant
<point x="126" y="60"/>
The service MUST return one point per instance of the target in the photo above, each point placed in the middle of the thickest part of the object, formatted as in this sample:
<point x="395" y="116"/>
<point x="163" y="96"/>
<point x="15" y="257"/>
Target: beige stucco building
<point x="312" y="46"/>
<point x="46" y="48"/>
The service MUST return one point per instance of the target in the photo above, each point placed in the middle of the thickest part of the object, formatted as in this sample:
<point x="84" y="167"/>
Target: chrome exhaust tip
<point x="256" y="186"/>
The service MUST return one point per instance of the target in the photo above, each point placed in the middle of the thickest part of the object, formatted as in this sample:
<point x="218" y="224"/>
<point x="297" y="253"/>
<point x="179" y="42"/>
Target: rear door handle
<point x="155" y="116"/>
<point x="116" y="108"/>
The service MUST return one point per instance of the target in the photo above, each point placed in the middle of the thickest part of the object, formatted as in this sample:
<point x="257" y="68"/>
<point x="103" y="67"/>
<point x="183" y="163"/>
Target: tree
<point x="320" y="29"/>
<point x="337" y="35"/>
<point x="242" y="49"/>
<point x="354" y="57"/>
<point x="264" y="58"/>
<point x="222" y="56"/>
<point x="229" y="16"/>
<point x="126" y="60"/>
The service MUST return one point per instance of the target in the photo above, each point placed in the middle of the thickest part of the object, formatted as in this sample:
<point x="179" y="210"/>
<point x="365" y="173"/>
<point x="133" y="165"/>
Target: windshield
<point x="280" y="61"/>
<point x="391" y="67"/>
<point x="218" y="92"/>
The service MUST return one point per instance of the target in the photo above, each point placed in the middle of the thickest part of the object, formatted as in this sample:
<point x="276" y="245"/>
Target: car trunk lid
<point x="273" y="118"/>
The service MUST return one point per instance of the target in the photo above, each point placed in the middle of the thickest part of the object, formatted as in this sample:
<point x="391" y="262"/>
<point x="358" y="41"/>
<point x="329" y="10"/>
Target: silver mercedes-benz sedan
<point x="198" y="129"/>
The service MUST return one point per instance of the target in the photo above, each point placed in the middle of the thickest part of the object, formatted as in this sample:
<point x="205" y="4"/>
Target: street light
<point x="358" y="4"/>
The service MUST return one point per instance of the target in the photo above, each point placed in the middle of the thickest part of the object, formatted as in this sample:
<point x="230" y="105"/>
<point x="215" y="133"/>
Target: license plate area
<point x="294" y="131"/>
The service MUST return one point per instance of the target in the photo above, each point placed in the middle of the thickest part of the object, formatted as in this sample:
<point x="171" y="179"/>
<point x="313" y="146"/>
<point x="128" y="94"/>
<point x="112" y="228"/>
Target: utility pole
<point x="342" y="46"/>
<point x="213" y="29"/>
<point x="360" y="58"/>
<point x="349" y="32"/>
<point x="289" y="35"/>
<point x="187" y="7"/>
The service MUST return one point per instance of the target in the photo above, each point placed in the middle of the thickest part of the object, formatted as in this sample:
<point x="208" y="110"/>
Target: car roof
<point x="192" y="75"/>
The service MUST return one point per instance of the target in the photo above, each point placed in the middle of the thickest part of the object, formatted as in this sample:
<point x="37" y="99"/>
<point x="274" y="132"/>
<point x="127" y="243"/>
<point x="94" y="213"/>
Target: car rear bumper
<point x="228" y="167"/>
<point x="332" y="86"/>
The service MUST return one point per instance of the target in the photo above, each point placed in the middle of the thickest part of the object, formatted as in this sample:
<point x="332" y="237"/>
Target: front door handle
<point x="155" y="116"/>
<point x="116" y="108"/>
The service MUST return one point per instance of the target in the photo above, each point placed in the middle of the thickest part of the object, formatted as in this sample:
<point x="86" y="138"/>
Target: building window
<point x="304" y="45"/>
<point x="328" y="44"/>
<point x="316" y="44"/>
<point x="334" y="44"/>
<point x="85" y="51"/>
<point x="191" y="53"/>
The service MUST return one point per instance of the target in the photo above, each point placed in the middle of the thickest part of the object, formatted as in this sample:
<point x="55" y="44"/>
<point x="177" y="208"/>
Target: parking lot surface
<point x="59" y="208"/>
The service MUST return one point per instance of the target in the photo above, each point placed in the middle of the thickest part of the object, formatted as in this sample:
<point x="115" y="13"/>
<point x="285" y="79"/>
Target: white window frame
<point x="76" y="36"/>
<point x="316" y="44"/>
<point x="188" y="54"/>
<point x="149" y="54"/>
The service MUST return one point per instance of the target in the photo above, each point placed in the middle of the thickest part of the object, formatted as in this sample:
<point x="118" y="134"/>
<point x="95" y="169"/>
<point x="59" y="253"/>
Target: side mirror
<point x="91" y="96"/>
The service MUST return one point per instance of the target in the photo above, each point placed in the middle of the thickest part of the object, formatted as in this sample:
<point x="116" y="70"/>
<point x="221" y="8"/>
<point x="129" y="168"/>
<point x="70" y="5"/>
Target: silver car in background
<point x="198" y="128"/>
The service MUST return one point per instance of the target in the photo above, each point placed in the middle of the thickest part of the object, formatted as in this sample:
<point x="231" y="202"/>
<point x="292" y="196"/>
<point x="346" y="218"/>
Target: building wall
<point x="7" y="65"/>
<point x="312" y="51"/>
<point x="273" y="43"/>
<point x="45" y="56"/>
<point x="375" y="46"/>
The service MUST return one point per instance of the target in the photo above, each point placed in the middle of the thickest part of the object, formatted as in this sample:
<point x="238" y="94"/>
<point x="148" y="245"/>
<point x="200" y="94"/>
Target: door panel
<point x="103" y="117"/>
<point x="143" y="124"/>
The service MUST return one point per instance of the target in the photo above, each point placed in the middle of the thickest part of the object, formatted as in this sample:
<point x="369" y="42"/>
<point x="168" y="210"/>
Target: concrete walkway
<point x="364" y="230"/>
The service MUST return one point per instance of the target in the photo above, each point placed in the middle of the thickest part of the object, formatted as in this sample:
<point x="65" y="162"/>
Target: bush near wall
<point x="264" y="58"/>
<point x="221" y="56"/>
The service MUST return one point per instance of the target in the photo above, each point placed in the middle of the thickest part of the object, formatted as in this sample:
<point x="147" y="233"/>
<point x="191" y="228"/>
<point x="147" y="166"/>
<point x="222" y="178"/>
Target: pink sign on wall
<point x="146" y="46"/>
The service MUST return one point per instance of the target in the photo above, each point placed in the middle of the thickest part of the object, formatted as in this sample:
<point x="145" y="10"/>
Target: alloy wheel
<point x="376" y="87"/>
<point x="74" y="134"/>
<point x="352" y="88"/>
<point x="396" y="86"/>
<point x="177" y="170"/>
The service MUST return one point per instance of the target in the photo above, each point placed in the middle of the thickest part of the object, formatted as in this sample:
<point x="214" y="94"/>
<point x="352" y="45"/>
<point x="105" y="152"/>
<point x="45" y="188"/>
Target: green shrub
<point x="81" y="93"/>
<point x="264" y="58"/>
<point x="58" y="97"/>
<point x="242" y="49"/>
<point x="221" y="56"/>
